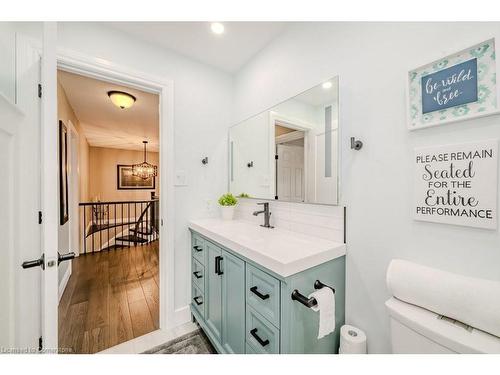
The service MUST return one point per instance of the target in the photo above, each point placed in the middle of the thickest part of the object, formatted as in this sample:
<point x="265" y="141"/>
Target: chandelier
<point x="144" y="170"/>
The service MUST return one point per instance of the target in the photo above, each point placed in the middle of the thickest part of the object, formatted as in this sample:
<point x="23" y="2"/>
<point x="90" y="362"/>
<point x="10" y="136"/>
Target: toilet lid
<point x="449" y="333"/>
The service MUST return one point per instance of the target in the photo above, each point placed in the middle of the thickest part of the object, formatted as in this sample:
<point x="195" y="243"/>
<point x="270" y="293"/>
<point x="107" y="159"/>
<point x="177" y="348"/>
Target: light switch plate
<point x="180" y="178"/>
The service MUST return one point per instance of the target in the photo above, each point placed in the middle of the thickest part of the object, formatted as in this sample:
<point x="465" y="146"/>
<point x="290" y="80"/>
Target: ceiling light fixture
<point x="144" y="170"/>
<point x="217" y="28"/>
<point x="326" y="85"/>
<point x="121" y="99"/>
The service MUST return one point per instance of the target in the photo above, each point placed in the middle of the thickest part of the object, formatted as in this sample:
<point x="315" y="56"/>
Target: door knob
<point x="40" y="262"/>
<point x="64" y="257"/>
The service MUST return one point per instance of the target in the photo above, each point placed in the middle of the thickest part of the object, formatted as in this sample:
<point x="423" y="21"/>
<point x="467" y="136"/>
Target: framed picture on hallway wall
<point x="126" y="181"/>
<point x="63" y="174"/>
<point x="457" y="87"/>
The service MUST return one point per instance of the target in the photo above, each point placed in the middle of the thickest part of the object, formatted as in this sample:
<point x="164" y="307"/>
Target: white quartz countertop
<point x="279" y="250"/>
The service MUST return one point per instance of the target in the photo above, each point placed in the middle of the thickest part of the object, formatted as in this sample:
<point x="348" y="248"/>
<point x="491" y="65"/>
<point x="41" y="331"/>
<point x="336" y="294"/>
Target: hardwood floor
<point x="111" y="297"/>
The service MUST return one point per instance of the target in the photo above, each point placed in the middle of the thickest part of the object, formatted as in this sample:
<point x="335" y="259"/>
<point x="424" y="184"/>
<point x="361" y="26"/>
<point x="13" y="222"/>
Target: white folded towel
<point x="326" y="307"/>
<point x="473" y="301"/>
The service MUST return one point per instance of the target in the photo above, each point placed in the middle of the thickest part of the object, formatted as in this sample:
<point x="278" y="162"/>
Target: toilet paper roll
<point x="352" y="340"/>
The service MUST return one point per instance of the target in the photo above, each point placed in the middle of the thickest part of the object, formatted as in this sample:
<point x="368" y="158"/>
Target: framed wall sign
<point x="125" y="180"/>
<point x="458" y="87"/>
<point x="457" y="184"/>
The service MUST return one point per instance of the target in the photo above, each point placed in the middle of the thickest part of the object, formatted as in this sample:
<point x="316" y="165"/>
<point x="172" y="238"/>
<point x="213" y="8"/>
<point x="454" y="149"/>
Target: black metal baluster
<point x="99" y="218"/>
<point x="92" y="226"/>
<point x="84" y="231"/>
<point x="107" y="224"/>
<point x="114" y="224"/>
<point x="121" y="226"/>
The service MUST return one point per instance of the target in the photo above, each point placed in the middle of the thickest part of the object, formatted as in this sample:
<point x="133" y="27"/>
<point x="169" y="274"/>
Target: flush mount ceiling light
<point x="121" y="99"/>
<point x="326" y="85"/>
<point x="217" y="28"/>
<point x="144" y="170"/>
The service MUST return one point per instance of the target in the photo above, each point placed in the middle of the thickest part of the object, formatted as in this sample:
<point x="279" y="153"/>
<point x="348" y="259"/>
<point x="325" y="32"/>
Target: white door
<point x="20" y="231"/>
<point x="325" y="185"/>
<point x="290" y="173"/>
<point x="29" y="295"/>
<point x="49" y="189"/>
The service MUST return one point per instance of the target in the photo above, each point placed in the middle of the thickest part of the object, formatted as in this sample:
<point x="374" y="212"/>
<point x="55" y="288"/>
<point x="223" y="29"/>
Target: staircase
<point x="114" y="225"/>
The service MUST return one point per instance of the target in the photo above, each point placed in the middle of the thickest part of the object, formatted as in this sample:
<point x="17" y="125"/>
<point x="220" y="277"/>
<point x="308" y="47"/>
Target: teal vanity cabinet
<point x="221" y="310"/>
<point x="246" y="308"/>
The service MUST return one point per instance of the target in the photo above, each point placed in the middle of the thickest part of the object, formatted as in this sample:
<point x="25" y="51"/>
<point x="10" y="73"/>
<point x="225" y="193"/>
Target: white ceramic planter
<point x="227" y="212"/>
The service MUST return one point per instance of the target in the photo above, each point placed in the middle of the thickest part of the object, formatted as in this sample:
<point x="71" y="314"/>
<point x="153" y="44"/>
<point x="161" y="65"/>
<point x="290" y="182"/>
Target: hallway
<point x="111" y="297"/>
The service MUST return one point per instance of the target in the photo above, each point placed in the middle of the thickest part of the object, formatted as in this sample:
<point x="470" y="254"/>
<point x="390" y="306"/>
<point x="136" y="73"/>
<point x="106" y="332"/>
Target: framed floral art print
<point x="457" y="87"/>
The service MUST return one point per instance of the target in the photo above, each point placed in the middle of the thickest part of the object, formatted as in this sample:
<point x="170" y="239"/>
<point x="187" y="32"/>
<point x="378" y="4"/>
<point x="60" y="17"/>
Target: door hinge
<point x="39" y="90"/>
<point x="276" y="157"/>
<point x="40" y="344"/>
<point x="40" y="217"/>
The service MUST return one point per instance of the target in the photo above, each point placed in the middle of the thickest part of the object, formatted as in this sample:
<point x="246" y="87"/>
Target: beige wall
<point x="103" y="162"/>
<point x="65" y="114"/>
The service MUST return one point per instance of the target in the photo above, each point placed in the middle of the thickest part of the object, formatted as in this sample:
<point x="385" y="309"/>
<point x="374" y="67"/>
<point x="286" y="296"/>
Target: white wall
<point x="377" y="182"/>
<point x="251" y="140"/>
<point x="202" y="97"/>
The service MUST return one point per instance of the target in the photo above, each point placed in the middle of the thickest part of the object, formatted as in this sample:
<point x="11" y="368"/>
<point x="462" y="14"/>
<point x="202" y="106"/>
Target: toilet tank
<point x="420" y="331"/>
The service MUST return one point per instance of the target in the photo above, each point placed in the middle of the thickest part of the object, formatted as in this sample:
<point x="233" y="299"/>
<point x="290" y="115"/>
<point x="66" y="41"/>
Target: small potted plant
<point x="227" y="204"/>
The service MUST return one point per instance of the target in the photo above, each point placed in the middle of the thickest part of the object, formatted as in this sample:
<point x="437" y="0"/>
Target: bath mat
<point x="192" y="343"/>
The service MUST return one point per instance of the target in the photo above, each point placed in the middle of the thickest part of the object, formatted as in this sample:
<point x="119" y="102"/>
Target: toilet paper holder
<point x="309" y="302"/>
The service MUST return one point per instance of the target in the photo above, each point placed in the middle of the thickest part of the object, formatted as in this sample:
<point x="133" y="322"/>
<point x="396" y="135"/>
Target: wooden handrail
<point x="116" y="202"/>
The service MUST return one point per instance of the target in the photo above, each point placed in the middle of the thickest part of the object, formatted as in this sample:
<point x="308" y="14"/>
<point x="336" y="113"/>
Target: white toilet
<point x="420" y="331"/>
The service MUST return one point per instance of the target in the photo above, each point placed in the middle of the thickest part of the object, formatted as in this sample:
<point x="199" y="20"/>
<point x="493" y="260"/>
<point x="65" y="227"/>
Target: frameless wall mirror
<point x="289" y="152"/>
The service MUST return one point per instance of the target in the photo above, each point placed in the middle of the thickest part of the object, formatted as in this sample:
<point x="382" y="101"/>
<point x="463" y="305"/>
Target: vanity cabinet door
<point x="214" y="273"/>
<point x="233" y="304"/>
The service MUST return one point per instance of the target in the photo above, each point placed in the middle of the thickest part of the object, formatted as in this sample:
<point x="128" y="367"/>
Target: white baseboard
<point x="182" y="316"/>
<point x="64" y="281"/>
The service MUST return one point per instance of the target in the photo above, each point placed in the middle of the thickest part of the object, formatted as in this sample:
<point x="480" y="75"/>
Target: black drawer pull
<point x="198" y="302"/>
<point x="253" y="332"/>
<point x="218" y="260"/>
<point x="197" y="248"/>
<point x="259" y="294"/>
<point x="197" y="274"/>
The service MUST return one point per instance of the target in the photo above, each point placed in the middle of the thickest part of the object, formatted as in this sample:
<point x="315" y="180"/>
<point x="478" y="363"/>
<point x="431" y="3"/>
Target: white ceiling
<point x="228" y="51"/>
<point x="104" y="124"/>
<point x="318" y="95"/>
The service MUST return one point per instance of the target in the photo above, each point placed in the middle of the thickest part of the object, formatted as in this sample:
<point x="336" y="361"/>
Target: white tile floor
<point x="155" y="338"/>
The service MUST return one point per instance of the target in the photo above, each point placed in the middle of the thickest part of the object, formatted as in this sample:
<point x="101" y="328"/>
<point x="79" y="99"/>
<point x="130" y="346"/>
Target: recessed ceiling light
<point x="326" y="85"/>
<point x="217" y="27"/>
<point x="122" y="100"/>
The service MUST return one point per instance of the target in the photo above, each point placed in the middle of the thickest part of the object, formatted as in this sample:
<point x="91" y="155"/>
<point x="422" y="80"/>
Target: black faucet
<point x="267" y="215"/>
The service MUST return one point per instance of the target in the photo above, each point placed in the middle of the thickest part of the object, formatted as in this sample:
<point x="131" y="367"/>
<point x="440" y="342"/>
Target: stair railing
<point x="108" y="225"/>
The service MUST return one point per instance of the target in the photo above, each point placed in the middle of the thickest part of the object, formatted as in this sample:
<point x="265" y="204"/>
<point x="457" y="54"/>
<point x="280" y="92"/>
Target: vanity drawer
<point x="263" y="294"/>
<point x="261" y="335"/>
<point x="250" y="350"/>
<point x="198" y="248"/>
<point x="198" y="274"/>
<point x="198" y="300"/>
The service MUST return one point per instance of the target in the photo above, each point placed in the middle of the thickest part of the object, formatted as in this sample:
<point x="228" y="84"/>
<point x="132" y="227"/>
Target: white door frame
<point x="74" y="189"/>
<point x="94" y="67"/>
<point x="292" y="123"/>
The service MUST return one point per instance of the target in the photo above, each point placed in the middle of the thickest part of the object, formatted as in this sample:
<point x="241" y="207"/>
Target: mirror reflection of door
<point x="290" y="166"/>
<point x="303" y="132"/>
